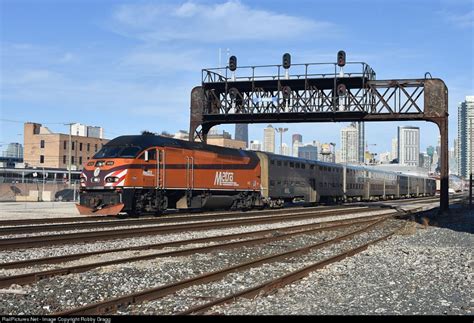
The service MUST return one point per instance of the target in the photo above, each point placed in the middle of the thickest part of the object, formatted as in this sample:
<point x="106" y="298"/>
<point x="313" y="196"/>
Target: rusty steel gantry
<point x="317" y="92"/>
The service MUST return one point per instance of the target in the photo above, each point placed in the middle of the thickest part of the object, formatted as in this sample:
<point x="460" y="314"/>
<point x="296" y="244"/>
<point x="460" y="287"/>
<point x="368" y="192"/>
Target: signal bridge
<point x="317" y="92"/>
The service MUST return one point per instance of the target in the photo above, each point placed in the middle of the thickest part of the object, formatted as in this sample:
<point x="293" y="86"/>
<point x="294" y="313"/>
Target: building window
<point x="42" y="143"/>
<point x="80" y="160"/>
<point x="80" y="146"/>
<point x="72" y="160"/>
<point x="88" y="146"/>
<point x="65" y="144"/>
<point x="41" y="159"/>
<point x="64" y="159"/>
<point x="72" y="145"/>
<point x="95" y="147"/>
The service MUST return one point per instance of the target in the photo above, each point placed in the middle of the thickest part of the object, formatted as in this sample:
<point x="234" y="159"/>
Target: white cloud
<point x="465" y="20"/>
<point x="67" y="58"/>
<point x="228" y="21"/>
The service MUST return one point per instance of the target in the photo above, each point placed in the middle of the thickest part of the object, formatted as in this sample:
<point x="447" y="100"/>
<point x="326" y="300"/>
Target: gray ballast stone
<point x="428" y="272"/>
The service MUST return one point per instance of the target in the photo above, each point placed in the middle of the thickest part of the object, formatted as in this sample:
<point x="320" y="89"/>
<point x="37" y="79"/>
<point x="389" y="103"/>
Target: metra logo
<point x="225" y="179"/>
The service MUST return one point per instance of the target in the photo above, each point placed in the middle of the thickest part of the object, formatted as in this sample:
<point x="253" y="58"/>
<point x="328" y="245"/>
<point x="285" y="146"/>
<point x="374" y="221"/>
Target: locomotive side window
<point x="292" y="165"/>
<point x="272" y="162"/>
<point x="278" y="162"/>
<point x="152" y="154"/>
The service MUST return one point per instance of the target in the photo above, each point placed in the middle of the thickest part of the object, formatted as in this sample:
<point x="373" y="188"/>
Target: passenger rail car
<point x="149" y="173"/>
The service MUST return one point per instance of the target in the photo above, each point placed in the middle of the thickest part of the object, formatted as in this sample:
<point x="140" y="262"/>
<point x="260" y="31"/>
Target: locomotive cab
<point x="104" y="178"/>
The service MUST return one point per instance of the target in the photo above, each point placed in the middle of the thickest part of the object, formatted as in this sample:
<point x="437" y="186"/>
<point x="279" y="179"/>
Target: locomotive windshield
<point x="118" y="152"/>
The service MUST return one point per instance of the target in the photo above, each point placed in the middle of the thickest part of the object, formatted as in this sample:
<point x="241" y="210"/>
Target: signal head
<point x="341" y="58"/>
<point x="232" y="63"/>
<point x="341" y="90"/>
<point x="286" y="62"/>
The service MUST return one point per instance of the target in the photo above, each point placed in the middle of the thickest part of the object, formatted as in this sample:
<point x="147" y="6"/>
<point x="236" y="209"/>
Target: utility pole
<point x="281" y="131"/>
<point x="69" y="153"/>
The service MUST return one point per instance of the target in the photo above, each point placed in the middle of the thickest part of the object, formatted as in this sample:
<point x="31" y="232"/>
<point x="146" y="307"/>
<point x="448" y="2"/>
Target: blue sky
<point x="130" y="66"/>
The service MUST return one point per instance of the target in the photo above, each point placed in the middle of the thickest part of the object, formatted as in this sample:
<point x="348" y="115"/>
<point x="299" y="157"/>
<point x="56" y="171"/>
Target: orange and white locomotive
<point x="148" y="173"/>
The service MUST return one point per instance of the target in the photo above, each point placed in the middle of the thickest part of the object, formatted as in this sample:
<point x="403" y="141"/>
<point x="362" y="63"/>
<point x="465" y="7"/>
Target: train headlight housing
<point x="95" y="180"/>
<point x="83" y="179"/>
<point x="112" y="179"/>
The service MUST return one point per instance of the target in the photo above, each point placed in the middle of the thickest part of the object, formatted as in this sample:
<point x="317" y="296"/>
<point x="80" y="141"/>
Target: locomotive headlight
<point x="112" y="179"/>
<point x="95" y="180"/>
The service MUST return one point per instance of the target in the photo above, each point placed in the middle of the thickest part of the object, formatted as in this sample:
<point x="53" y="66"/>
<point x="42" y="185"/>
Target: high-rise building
<point x="349" y="145"/>
<point x="465" y="142"/>
<point x="409" y="146"/>
<point x="14" y="150"/>
<point x="242" y="133"/>
<point x="78" y="129"/>
<point x="269" y="139"/>
<point x="295" y="148"/>
<point x="308" y="152"/>
<point x="453" y="161"/>
<point x="285" y="149"/>
<point x="95" y="132"/>
<point x="255" y="145"/>
<point x="296" y="137"/>
<point x="296" y="141"/>
<point x="325" y="153"/>
<point x="224" y="139"/>
<point x="384" y="158"/>
<point x="394" y="154"/>
<point x="360" y="139"/>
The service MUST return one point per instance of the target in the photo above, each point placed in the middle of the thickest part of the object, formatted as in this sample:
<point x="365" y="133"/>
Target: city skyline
<point x="122" y="67"/>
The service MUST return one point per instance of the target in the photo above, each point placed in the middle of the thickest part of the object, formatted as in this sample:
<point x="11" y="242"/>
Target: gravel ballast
<point x="420" y="270"/>
<point x="423" y="271"/>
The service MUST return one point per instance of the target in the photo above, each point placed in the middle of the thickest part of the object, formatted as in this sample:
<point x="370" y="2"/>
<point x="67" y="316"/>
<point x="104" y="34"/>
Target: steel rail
<point x="144" y="221"/>
<point x="111" y="305"/>
<point x="42" y="240"/>
<point x="283" y="280"/>
<point x="70" y="257"/>
<point x="32" y="277"/>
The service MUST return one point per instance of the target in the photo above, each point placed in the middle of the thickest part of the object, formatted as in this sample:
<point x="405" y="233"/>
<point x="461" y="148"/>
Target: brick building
<point x="43" y="148"/>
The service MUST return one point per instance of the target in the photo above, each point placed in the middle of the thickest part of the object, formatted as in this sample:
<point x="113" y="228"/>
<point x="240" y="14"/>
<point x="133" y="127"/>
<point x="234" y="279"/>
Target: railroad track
<point x="46" y="240"/>
<point x="23" y="229"/>
<point x="167" y="216"/>
<point x="282" y="281"/>
<point x="112" y="305"/>
<point x="257" y="237"/>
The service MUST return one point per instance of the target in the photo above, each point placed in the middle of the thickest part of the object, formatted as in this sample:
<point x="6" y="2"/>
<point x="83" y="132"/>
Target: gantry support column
<point x="444" y="177"/>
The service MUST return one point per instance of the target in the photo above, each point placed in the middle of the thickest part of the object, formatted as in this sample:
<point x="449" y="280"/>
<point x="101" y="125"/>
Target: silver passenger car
<point x="287" y="178"/>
